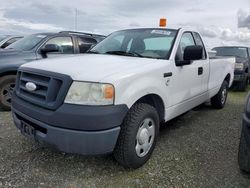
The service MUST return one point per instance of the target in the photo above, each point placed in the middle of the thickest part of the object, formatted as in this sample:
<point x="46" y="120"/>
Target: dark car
<point x="8" y="40"/>
<point x="35" y="47"/>
<point x="242" y="55"/>
<point x="244" y="147"/>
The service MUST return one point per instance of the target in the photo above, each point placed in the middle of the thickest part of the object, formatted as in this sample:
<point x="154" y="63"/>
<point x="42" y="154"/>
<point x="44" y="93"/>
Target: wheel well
<point x="155" y="101"/>
<point x="228" y="78"/>
<point x="8" y="73"/>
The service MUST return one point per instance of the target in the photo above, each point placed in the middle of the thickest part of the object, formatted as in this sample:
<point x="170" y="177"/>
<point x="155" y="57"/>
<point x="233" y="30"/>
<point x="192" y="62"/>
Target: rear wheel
<point x="7" y="85"/>
<point x="138" y="136"/>
<point x="219" y="100"/>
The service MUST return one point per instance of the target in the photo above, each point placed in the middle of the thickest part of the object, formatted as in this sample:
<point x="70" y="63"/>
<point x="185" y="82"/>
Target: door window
<point x="199" y="42"/>
<point x="65" y="44"/>
<point x="186" y="40"/>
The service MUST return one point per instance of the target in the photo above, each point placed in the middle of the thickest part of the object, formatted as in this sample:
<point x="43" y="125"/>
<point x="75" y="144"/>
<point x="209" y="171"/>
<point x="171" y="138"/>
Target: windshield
<point x="148" y="43"/>
<point x="232" y="51"/>
<point x="27" y="43"/>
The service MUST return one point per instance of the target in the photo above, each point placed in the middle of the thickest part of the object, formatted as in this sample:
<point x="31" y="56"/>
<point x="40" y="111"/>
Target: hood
<point x="91" y="67"/>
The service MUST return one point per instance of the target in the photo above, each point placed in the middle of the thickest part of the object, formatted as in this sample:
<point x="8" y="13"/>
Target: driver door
<point x="65" y="45"/>
<point x="187" y="80"/>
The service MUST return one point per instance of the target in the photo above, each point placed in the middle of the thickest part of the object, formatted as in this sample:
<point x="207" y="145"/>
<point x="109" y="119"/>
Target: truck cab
<point x="113" y="98"/>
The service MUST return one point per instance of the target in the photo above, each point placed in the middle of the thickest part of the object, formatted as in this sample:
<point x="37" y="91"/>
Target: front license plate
<point x="27" y="130"/>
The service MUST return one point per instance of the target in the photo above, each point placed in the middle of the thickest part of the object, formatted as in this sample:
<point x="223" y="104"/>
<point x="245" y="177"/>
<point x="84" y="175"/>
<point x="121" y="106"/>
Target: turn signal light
<point x="109" y="92"/>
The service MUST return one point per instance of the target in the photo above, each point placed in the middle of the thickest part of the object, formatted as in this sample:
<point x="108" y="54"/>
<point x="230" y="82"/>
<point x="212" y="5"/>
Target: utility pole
<point x="76" y="14"/>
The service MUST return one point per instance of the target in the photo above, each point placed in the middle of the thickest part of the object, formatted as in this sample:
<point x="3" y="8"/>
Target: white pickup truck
<point x="113" y="99"/>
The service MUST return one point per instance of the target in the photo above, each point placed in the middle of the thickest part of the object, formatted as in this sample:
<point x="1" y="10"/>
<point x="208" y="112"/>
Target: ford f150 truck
<point x="35" y="47"/>
<point x="241" y="72"/>
<point x="113" y="99"/>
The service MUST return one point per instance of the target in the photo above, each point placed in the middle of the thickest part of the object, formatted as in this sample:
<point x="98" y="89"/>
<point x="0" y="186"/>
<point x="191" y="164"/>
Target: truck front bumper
<point x="86" y="130"/>
<point x="239" y="77"/>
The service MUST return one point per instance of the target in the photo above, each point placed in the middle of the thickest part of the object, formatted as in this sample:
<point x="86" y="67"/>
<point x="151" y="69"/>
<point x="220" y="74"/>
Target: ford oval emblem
<point x="30" y="86"/>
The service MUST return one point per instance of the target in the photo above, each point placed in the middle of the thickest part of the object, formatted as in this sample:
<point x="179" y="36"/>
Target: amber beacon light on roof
<point x="163" y="22"/>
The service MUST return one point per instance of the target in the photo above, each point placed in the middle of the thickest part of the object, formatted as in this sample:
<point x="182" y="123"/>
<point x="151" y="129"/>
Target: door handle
<point x="200" y="70"/>
<point x="167" y="74"/>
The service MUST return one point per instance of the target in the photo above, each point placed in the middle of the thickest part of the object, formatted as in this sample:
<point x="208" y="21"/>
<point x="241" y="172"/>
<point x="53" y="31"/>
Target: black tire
<point x="125" y="152"/>
<point x="220" y="99"/>
<point x="242" y="86"/>
<point x="244" y="151"/>
<point x="7" y="84"/>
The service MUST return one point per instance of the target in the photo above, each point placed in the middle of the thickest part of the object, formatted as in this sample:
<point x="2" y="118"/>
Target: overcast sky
<point x="220" y="22"/>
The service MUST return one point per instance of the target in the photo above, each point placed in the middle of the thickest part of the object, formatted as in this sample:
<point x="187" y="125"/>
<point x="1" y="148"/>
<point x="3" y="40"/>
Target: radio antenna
<point x="76" y="15"/>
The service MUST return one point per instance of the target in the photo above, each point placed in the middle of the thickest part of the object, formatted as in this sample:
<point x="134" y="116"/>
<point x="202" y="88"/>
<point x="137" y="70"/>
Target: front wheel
<point x="219" y="100"/>
<point x="7" y="85"/>
<point x="138" y="136"/>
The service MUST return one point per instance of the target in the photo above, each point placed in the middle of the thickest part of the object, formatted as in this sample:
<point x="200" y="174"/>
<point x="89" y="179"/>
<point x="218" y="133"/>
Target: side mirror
<point x="212" y="54"/>
<point x="48" y="48"/>
<point x="192" y="53"/>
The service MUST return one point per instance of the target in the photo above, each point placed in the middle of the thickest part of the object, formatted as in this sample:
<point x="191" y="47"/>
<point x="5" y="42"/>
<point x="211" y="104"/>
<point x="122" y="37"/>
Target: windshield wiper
<point x="124" y="53"/>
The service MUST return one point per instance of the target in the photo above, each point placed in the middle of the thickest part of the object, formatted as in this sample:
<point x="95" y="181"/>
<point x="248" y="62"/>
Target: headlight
<point x="85" y="93"/>
<point x="239" y="66"/>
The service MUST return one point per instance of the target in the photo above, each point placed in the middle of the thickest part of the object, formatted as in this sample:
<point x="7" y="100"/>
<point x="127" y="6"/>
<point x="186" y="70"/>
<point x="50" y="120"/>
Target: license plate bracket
<point x="27" y="130"/>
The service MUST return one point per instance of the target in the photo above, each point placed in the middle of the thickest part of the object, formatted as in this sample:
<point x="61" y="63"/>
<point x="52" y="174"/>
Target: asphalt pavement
<point x="198" y="149"/>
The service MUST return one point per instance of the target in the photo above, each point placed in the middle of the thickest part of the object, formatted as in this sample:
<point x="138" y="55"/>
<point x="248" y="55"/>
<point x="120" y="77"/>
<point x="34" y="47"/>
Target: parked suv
<point x="38" y="46"/>
<point x="8" y="40"/>
<point x="241" y="72"/>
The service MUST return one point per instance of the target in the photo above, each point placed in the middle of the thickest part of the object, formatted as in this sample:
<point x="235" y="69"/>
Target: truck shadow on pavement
<point x="176" y="122"/>
<point x="107" y="161"/>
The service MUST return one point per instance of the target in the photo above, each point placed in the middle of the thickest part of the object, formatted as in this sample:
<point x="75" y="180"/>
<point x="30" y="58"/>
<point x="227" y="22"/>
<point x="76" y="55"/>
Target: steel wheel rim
<point x="145" y="137"/>
<point x="224" y="95"/>
<point x="7" y="92"/>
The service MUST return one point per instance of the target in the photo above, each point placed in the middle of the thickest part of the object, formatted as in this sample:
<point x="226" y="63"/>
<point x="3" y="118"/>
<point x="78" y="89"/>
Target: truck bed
<point x="217" y="68"/>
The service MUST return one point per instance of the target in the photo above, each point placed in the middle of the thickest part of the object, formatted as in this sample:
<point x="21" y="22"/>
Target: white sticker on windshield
<point x="162" y="32"/>
<point x="41" y="36"/>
